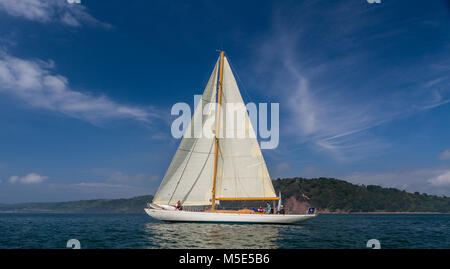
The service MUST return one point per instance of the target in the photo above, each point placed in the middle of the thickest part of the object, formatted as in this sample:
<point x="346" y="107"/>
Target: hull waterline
<point x="213" y="217"/>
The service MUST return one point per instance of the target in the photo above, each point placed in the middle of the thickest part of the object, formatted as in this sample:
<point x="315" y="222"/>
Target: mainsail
<point x="241" y="171"/>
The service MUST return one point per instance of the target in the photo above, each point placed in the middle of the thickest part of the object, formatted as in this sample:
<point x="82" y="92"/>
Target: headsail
<point x="189" y="177"/>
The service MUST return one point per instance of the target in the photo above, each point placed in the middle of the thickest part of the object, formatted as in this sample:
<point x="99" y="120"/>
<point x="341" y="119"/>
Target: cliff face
<point x="294" y="206"/>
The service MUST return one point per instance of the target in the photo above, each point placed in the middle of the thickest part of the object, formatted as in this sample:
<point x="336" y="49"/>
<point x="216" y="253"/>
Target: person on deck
<point x="178" y="206"/>
<point x="281" y="211"/>
<point x="260" y="209"/>
<point x="268" y="208"/>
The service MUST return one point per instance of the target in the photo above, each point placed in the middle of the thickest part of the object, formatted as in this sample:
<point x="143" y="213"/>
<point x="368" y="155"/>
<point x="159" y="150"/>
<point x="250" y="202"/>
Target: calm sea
<point x="140" y="231"/>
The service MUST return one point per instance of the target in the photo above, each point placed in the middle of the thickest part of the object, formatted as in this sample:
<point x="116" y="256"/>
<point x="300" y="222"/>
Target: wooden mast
<point x="219" y="99"/>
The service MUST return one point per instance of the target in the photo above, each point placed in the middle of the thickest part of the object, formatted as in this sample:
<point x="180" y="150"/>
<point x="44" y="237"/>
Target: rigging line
<point x="240" y="81"/>
<point x="201" y="170"/>
<point x="246" y="93"/>
<point x="182" y="173"/>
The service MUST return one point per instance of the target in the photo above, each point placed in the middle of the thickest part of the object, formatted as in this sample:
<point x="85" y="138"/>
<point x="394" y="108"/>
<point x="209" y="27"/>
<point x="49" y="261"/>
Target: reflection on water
<point x="197" y="235"/>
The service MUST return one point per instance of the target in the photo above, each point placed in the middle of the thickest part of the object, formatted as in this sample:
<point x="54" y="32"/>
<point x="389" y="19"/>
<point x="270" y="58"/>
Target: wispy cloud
<point x="33" y="82"/>
<point x="50" y="11"/>
<point x="445" y="155"/>
<point x="32" y="178"/>
<point x="441" y="180"/>
<point x="332" y="95"/>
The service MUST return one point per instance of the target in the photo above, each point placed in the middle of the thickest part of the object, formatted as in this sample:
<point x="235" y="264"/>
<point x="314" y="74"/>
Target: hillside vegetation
<point x="333" y="195"/>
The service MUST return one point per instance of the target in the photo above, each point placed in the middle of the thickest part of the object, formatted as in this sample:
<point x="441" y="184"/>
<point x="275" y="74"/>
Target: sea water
<point x="139" y="231"/>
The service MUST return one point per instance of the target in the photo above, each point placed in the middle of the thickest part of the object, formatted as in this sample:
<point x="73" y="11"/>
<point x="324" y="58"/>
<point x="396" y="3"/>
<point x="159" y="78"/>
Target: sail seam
<point x="193" y="151"/>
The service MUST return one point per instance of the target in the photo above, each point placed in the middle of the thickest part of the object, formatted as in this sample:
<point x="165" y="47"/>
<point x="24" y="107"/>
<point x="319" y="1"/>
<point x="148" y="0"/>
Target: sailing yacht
<point x="209" y="169"/>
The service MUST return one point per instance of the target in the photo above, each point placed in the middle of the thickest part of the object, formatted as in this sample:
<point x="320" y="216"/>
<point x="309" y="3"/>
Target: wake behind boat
<point x="209" y="169"/>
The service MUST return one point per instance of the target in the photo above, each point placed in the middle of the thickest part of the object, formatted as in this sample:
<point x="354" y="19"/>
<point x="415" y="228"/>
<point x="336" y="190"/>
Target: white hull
<point x="215" y="217"/>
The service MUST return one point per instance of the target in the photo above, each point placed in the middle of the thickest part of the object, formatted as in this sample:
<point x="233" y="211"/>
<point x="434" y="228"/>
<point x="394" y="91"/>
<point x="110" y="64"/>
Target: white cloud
<point x="445" y="155"/>
<point x="441" y="180"/>
<point x="13" y="179"/>
<point x="33" y="82"/>
<point x="32" y="178"/>
<point x="46" y="11"/>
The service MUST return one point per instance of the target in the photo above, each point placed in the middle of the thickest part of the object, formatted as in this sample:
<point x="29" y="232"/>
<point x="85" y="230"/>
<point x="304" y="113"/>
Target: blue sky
<point x="86" y="90"/>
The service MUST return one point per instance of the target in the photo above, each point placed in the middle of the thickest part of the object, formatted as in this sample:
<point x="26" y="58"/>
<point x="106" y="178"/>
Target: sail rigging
<point x="205" y="169"/>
